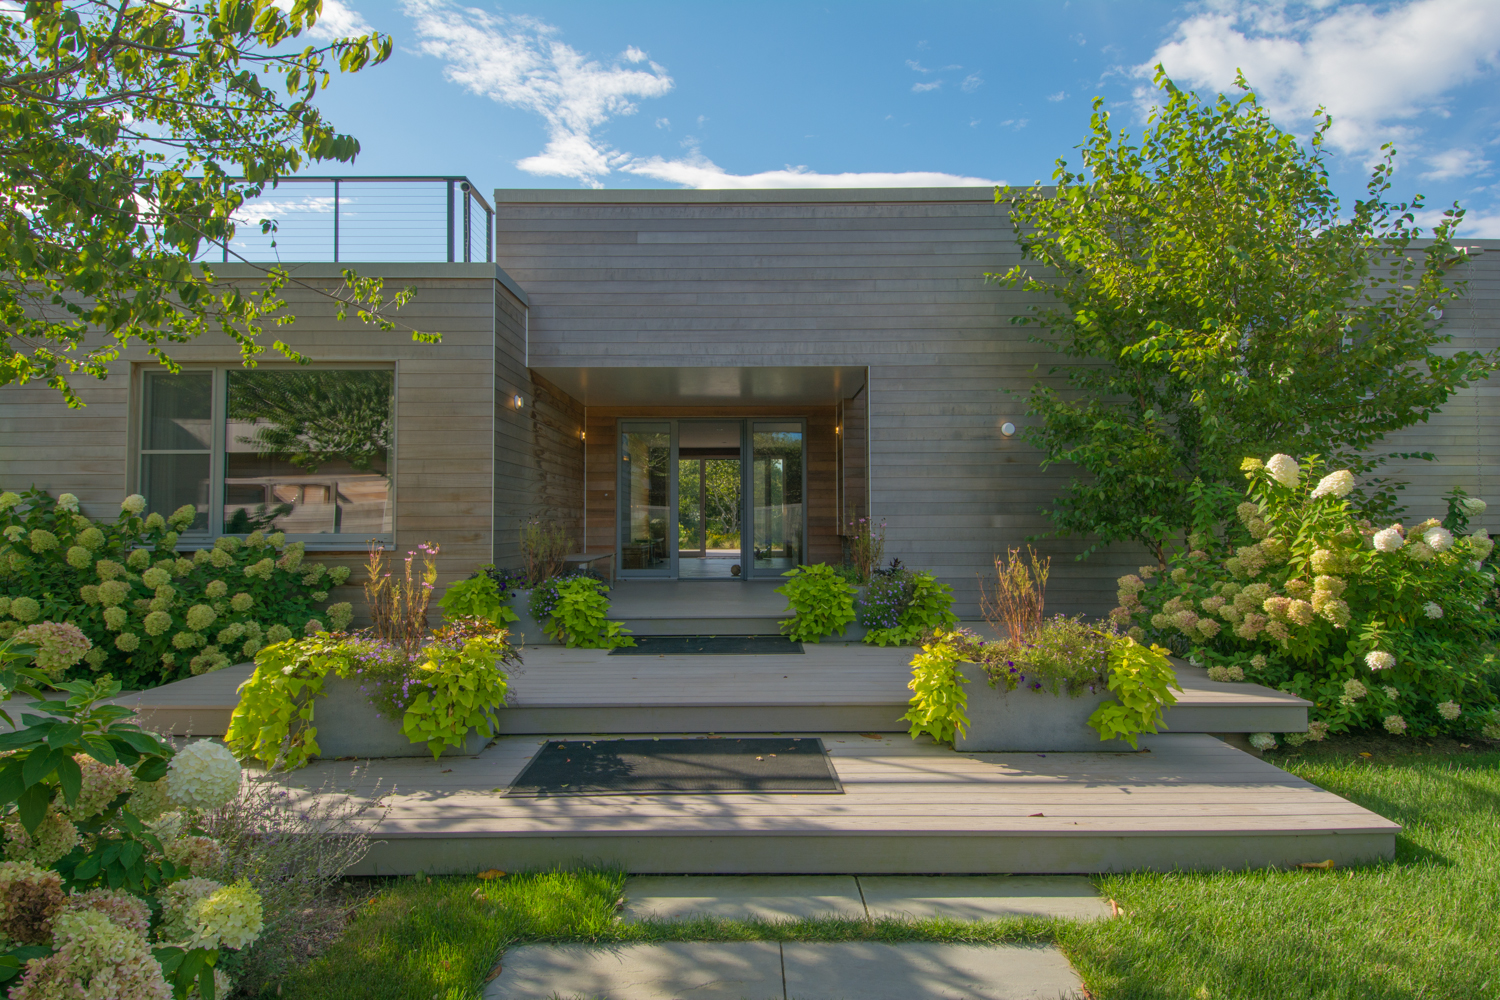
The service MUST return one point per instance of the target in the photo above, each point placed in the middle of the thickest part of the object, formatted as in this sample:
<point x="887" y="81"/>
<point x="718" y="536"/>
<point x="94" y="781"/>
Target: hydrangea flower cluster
<point x="59" y="645"/>
<point x="202" y="775"/>
<point x="1283" y="469"/>
<point x="1263" y="741"/>
<point x="1336" y="484"/>
<point x="1378" y="660"/>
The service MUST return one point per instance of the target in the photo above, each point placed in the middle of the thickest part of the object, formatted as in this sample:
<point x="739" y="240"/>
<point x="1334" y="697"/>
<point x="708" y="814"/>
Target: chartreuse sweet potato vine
<point x="1141" y="678"/>
<point x="821" y="602"/>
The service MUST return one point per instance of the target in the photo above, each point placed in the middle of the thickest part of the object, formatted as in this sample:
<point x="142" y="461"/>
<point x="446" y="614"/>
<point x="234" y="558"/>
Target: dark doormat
<point x="707" y="645"/>
<point x="679" y="767"/>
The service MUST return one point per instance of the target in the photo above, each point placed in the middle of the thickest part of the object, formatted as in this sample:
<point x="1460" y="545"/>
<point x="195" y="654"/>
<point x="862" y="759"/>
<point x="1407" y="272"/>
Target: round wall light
<point x="519" y="401"/>
<point x="1007" y="428"/>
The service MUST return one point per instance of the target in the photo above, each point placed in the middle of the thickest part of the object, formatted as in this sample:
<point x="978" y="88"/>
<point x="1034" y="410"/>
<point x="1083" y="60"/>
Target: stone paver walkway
<point x="792" y="897"/>
<point x="757" y="970"/>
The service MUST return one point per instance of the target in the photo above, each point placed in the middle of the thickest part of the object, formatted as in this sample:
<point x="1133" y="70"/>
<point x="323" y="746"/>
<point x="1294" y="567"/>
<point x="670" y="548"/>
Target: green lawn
<point x="1427" y="926"/>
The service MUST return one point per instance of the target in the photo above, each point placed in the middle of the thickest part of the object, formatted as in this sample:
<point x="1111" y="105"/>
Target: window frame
<point x="219" y="417"/>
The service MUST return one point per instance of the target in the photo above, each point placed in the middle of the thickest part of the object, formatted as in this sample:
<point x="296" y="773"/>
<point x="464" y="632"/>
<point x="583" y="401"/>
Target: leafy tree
<point x="131" y="132"/>
<point x="1217" y="303"/>
<point x="313" y="417"/>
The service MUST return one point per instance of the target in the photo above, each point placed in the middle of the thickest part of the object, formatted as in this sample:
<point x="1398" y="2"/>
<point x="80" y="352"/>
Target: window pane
<point x="308" y="452"/>
<point x="644" y="457"/>
<point x="178" y="411"/>
<point x="170" y="481"/>
<point x="777" y="462"/>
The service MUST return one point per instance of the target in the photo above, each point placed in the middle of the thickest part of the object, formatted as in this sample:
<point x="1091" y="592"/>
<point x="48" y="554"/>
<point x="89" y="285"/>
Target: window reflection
<point x="777" y="468"/>
<point x="307" y="452"/>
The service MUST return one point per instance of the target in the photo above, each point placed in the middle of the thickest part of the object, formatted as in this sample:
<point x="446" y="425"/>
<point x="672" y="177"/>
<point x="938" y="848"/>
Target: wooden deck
<point x="1187" y="802"/>
<point x="832" y="687"/>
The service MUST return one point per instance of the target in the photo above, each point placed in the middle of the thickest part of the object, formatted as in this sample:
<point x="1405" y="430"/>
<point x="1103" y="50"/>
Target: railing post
<point x="489" y="237"/>
<point x="468" y="208"/>
<point x="450" y="222"/>
<point x="335" y="220"/>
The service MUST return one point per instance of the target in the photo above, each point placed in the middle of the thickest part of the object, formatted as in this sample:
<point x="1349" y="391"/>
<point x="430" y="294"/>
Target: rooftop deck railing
<point x="365" y="219"/>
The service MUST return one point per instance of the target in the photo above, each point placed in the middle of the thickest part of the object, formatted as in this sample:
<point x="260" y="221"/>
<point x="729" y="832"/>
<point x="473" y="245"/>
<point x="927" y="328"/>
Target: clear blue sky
<point x="553" y="94"/>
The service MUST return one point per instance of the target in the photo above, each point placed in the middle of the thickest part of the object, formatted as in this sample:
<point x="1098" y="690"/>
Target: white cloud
<point x="922" y="88"/>
<point x="516" y="61"/>
<point x="520" y="62"/>
<point x="913" y="64"/>
<point x="1455" y="162"/>
<point x="1378" y="70"/>
<point x="971" y="83"/>
<point x="697" y="171"/>
<point x="1061" y="95"/>
<point x="338" y="20"/>
<point x="1478" y="226"/>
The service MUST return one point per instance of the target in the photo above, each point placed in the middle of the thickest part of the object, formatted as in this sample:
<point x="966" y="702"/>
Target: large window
<point x="303" y="451"/>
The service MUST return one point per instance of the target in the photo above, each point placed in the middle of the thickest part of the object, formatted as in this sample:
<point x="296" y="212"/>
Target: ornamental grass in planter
<point x="394" y="690"/>
<point x="1049" y="685"/>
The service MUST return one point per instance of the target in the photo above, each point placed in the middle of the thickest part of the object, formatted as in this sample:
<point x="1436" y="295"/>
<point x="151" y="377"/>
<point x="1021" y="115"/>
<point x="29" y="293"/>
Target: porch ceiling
<point x="706" y="386"/>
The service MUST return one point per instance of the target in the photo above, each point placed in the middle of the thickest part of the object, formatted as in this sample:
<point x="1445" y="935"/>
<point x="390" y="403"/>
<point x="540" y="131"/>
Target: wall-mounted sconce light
<point x="519" y="401"/>
<point x="1007" y="428"/>
<point x="583" y="435"/>
<point x="838" y="428"/>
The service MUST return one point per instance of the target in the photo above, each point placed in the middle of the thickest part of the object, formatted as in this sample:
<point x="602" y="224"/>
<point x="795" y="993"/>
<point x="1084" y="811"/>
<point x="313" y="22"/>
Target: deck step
<point x="723" y="625"/>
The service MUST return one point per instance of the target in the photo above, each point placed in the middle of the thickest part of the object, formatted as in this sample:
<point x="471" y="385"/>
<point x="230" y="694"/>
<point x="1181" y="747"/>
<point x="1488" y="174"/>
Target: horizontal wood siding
<point x="896" y="285"/>
<point x="444" y="471"/>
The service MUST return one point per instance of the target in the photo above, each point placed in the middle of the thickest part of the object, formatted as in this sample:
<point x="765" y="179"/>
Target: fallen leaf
<point x="1114" y="909"/>
<point x="1033" y="814"/>
<point x="760" y="758"/>
<point x="872" y="736"/>
<point x="494" y="973"/>
<point x="491" y="873"/>
<point x="1363" y="754"/>
<point x="1464" y="745"/>
<point x="446" y="770"/>
<point x="1325" y="865"/>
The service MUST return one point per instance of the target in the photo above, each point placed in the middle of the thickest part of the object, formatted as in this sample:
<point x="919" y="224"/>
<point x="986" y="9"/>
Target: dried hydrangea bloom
<point x="102" y="784"/>
<point x="54" y="837"/>
<point x="1259" y="661"/>
<point x="95" y="958"/>
<point x="59" y="645"/>
<point x="1317" y="731"/>
<point x="1394" y="724"/>
<point x="122" y="909"/>
<point x="199" y="855"/>
<point x="1354" y="689"/>
<point x="1449" y="710"/>
<point x="1263" y="741"/>
<point x="1283" y="469"/>
<point x="203" y="775"/>
<point x="30" y="899"/>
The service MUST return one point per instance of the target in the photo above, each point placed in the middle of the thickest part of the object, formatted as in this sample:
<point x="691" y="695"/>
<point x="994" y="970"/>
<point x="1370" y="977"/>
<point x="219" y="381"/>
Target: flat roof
<point x="626" y="196"/>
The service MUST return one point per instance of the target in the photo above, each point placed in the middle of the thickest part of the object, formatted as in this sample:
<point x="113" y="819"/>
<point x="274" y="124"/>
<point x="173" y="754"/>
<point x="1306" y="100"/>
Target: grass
<point x="1426" y="927"/>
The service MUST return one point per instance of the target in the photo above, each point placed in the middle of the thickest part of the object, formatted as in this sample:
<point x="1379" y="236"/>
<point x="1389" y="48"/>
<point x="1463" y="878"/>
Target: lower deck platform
<point x="1187" y="801"/>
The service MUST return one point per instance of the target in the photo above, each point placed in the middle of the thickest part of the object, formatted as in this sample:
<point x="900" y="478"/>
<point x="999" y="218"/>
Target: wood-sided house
<point x="702" y="385"/>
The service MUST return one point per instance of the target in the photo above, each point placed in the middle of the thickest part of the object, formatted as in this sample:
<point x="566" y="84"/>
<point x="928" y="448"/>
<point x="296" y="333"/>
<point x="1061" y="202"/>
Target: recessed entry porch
<point x="718" y="475"/>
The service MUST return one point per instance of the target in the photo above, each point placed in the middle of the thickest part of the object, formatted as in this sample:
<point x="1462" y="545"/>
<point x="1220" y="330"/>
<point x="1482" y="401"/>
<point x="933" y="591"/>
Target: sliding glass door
<point x="711" y="499"/>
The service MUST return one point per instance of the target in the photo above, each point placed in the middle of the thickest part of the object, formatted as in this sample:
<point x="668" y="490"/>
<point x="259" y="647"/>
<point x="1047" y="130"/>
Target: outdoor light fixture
<point x="583" y="435"/>
<point x="1007" y="428"/>
<point x="519" y="400"/>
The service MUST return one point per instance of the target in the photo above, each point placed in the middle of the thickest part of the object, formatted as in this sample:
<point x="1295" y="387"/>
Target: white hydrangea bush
<point x="154" y="609"/>
<point x="1299" y="592"/>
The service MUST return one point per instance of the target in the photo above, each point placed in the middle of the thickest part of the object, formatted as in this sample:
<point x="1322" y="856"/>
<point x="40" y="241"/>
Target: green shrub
<point x="1377" y="626"/>
<point x="1063" y="656"/>
<point x="575" y="612"/>
<point x="478" y="597"/>
<point x="900" y="607"/>
<point x="152" y="614"/>
<point x="821" y="602"/>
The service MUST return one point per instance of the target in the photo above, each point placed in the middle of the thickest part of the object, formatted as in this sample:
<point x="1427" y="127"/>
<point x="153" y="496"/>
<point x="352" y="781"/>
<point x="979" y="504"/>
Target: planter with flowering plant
<point x="154" y="615"/>
<point x="106" y="890"/>
<point x="395" y="690"/>
<point x="1380" y="626"/>
<point x="1049" y="685"/>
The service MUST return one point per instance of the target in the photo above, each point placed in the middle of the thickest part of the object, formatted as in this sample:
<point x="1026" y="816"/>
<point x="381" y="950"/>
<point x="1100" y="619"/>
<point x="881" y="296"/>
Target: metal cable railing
<point x="366" y="219"/>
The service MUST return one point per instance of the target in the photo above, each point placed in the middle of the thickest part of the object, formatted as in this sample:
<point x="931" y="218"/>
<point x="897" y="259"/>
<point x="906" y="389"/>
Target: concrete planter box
<point x="1030" y="721"/>
<point x="528" y="631"/>
<point x="349" y="726"/>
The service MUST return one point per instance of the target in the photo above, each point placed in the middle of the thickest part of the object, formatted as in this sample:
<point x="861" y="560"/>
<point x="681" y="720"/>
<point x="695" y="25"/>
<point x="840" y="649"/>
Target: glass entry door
<point x="711" y="499"/>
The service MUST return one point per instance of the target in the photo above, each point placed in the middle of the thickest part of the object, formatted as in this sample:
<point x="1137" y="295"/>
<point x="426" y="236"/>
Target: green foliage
<point x="721" y="503"/>
<point x="939" y="702"/>
<point x="477" y="597"/>
<point x="450" y="686"/>
<point x="580" y="617"/>
<point x="1142" y="680"/>
<point x="1295" y="590"/>
<point x="132" y="136"/>
<point x="821" y="601"/>
<point x="1063" y="655"/>
<point x="925" y="605"/>
<point x="460" y="690"/>
<point x="1218" y="301"/>
<point x="155" y="615"/>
